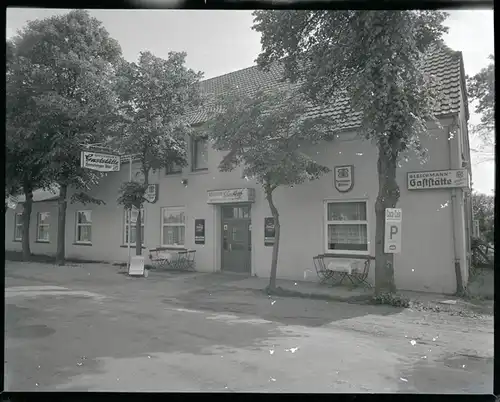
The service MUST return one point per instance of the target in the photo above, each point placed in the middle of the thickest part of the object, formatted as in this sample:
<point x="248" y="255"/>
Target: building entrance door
<point x="236" y="239"/>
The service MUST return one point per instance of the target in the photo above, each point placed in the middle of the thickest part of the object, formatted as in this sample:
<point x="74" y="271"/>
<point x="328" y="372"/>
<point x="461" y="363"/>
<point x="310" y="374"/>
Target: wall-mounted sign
<point x="437" y="179"/>
<point x="392" y="238"/>
<point x="199" y="231"/>
<point x="151" y="194"/>
<point x="100" y="162"/>
<point x="12" y="202"/>
<point x="231" y="196"/>
<point x="269" y="231"/>
<point x="343" y="178"/>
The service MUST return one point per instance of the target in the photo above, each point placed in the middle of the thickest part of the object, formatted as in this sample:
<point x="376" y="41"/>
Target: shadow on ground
<point x="225" y="298"/>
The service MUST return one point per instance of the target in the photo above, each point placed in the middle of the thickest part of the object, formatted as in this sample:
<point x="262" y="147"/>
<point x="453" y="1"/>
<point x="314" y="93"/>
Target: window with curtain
<point x="84" y="227"/>
<point x="173" y="227"/>
<point x="18" y="227"/>
<point x="346" y="227"/>
<point x="43" y="226"/>
<point x="200" y="153"/>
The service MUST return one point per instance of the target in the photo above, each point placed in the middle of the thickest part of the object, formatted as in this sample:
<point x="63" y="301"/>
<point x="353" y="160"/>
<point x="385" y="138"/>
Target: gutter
<point x="458" y="271"/>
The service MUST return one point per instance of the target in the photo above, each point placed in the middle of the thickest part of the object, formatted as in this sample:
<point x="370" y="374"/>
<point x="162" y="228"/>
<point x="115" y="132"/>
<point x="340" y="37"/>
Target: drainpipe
<point x="458" y="272"/>
<point x="129" y="213"/>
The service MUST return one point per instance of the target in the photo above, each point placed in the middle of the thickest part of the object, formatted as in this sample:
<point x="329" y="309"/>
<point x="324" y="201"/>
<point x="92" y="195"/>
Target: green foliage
<point x="154" y="96"/>
<point x="66" y="66"/>
<point x="391" y="299"/>
<point x="483" y="209"/>
<point x="481" y="88"/>
<point x="132" y="194"/>
<point x="85" y="199"/>
<point x="373" y="61"/>
<point x="372" y="58"/>
<point x="264" y="134"/>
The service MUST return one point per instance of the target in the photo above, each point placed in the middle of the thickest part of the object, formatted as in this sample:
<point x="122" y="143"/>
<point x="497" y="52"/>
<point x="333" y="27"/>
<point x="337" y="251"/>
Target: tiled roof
<point x="441" y="61"/>
<point x="41" y="195"/>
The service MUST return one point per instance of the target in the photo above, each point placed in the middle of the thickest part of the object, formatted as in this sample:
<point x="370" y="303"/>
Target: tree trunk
<point x="138" y="226"/>
<point x="388" y="197"/>
<point x="138" y="240"/>
<point x="276" y="245"/>
<point x="61" y="225"/>
<point x="28" y="204"/>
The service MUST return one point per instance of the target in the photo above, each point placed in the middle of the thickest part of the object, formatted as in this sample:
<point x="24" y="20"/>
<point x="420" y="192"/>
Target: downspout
<point x="460" y="287"/>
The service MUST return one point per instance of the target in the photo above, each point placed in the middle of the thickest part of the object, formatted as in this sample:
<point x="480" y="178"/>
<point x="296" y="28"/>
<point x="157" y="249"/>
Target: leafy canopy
<point x="483" y="207"/>
<point x="154" y="96"/>
<point x="372" y="59"/>
<point x="67" y="68"/>
<point x="264" y="134"/>
<point x="481" y="89"/>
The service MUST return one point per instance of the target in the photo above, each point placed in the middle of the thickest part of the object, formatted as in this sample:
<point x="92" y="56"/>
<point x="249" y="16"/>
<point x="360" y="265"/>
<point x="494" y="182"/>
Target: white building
<point x="436" y="223"/>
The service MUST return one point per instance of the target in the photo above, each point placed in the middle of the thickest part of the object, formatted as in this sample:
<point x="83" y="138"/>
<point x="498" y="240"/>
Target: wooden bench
<point x="172" y="258"/>
<point x="334" y="268"/>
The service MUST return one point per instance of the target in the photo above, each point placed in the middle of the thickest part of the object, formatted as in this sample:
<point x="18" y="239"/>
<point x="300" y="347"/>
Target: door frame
<point x="221" y="236"/>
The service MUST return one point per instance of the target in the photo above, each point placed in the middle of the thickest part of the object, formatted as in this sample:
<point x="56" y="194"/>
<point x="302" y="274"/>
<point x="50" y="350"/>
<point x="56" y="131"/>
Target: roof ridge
<point x="231" y="72"/>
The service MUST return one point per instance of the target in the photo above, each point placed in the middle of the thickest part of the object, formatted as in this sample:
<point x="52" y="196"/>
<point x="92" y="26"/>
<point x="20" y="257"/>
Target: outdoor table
<point x="172" y="258"/>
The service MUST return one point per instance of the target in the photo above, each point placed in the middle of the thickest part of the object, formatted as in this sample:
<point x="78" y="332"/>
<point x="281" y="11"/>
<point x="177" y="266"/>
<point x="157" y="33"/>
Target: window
<point x="173" y="226"/>
<point x="173" y="168"/>
<point x="133" y="228"/>
<point x="42" y="231"/>
<point x="200" y="153"/>
<point x="84" y="227"/>
<point x="18" y="231"/>
<point x="346" y="227"/>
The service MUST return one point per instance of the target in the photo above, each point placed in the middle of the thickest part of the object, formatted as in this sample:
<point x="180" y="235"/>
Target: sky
<point x="220" y="41"/>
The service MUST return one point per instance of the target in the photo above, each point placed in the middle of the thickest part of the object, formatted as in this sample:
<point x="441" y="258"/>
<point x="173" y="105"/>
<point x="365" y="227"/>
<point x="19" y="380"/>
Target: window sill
<point x="173" y="174"/>
<point x="199" y="171"/>
<point x="17" y="240"/>
<point x="132" y="246"/>
<point x="78" y="243"/>
<point x="42" y="241"/>
<point x="172" y="247"/>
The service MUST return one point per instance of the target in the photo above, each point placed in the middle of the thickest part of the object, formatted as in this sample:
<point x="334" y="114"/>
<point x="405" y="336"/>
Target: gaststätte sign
<point x="100" y="162"/>
<point x="231" y="195"/>
<point x="437" y="179"/>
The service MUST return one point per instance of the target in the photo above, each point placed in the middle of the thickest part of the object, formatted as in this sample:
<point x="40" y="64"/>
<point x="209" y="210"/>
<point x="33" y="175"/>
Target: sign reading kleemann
<point x="437" y="179"/>
<point x="100" y="162"/>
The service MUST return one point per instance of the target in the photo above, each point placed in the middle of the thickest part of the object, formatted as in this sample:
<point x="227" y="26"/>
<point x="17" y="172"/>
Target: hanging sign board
<point x="151" y="194"/>
<point x="100" y="162"/>
<point x="344" y="178"/>
<point x="269" y="231"/>
<point x="392" y="238"/>
<point x="437" y="179"/>
<point x="199" y="231"/>
<point x="231" y="196"/>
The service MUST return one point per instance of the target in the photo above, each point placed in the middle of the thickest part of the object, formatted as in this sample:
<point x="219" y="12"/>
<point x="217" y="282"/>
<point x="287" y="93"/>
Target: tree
<point x="483" y="209"/>
<point x="26" y="167"/>
<point x="264" y="134"/>
<point x="154" y="96"/>
<point x="71" y="60"/>
<point x="373" y="60"/>
<point x="482" y="90"/>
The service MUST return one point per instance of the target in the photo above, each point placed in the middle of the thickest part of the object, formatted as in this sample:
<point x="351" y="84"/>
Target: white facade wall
<point x="426" y="262"/>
